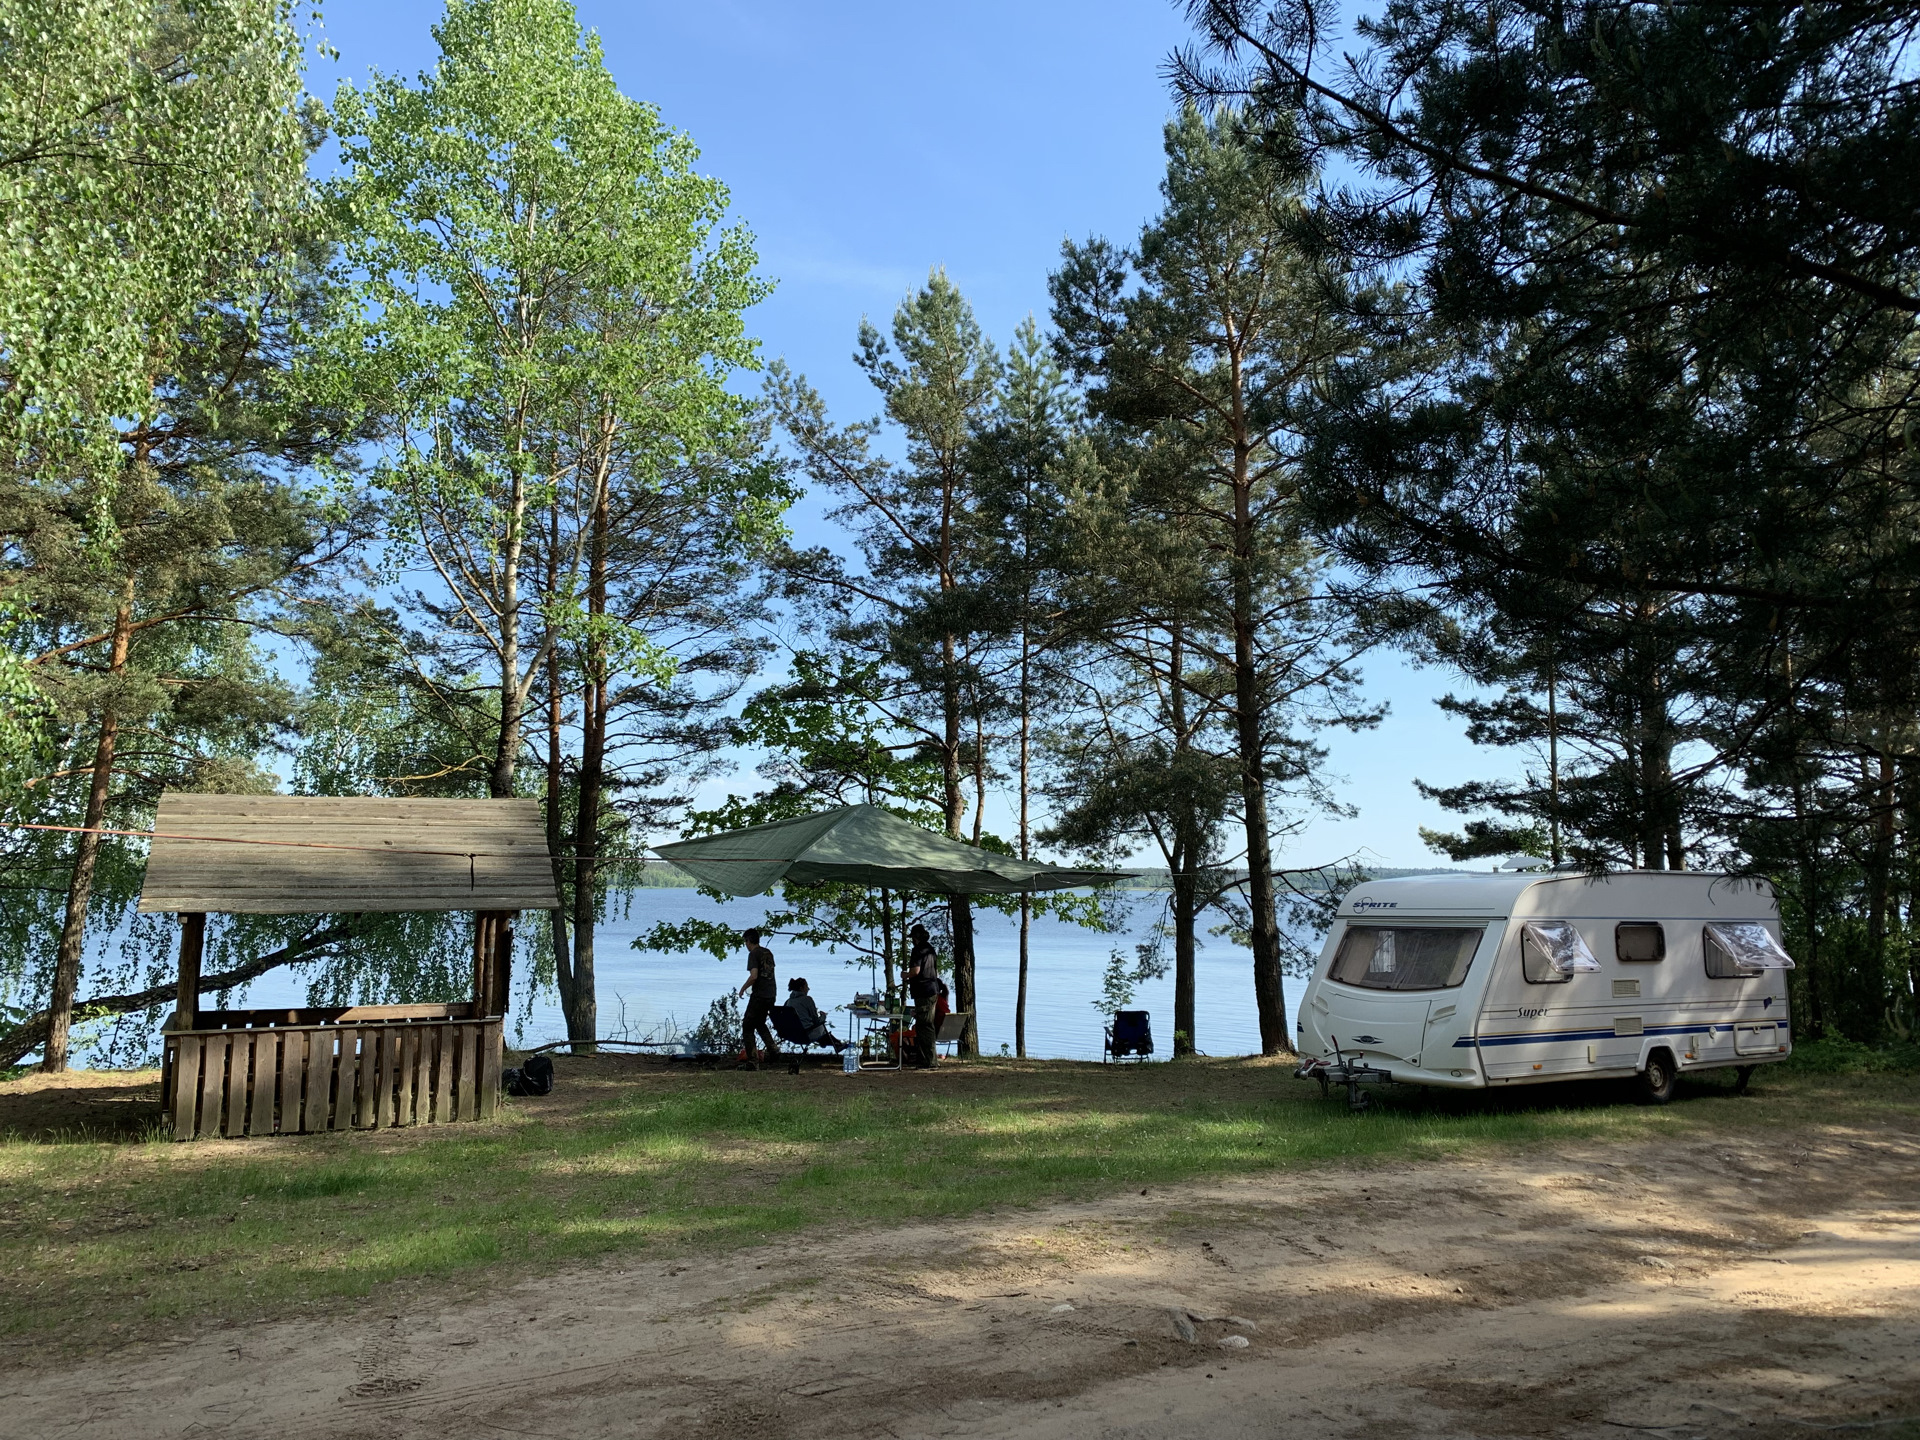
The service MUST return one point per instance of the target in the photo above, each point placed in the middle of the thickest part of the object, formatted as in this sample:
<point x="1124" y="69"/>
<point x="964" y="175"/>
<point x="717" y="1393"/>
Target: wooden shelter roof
<point x="301" y="854"/>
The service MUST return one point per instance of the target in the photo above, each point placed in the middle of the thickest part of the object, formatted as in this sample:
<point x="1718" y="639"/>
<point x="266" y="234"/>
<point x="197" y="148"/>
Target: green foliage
<point x="151" y="153"/>
<point x="718" y="1032"/>
<point x="1204" y="348"/>
<point x="1638" y="426"/>
<point x="1117" y="983"/>
<point x="543" y="296"/>
<point x="1483" y="839"/>
<point x="23" y="733"/>
<point x="1834" y="1055"/>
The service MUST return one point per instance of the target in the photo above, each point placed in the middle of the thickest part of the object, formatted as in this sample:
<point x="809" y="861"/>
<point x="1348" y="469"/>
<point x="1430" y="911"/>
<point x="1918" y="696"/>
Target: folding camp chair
<point x="787" y="1026"/>
<point x="953" y="1025"/>
<point x="1131" y="1034"/>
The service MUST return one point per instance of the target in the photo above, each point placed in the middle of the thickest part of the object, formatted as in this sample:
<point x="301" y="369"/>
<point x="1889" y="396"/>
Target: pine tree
<point x="918" y="533"/>
<point x="1217" y="352"/>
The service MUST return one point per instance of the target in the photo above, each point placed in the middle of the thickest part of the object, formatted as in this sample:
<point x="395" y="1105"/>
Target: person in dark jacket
<point x="922" y="975"/>
<point x="761" y="995"/>
<point x="812" y="1022"/>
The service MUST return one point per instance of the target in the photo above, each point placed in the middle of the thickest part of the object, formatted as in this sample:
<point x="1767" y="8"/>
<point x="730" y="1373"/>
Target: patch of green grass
<point x="103" y="1240"/>
<point x="1851" y="1057"/>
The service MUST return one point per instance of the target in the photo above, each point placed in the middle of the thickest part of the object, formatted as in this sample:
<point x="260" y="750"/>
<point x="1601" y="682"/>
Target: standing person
<point x="760" y="1002"/>
<point x="923" y="984"/>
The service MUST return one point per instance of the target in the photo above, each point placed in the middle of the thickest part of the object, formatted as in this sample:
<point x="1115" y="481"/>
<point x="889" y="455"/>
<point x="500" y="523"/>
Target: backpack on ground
<point x="533" y="1078"/>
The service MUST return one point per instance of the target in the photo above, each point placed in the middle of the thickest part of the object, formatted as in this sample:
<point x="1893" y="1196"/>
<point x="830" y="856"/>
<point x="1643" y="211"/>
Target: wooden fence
<point x="266" y="1072"/>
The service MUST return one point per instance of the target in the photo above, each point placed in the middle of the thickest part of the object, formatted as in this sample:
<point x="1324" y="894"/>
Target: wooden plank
<point x="336" y="1079"/>
<point x="392" y="855"/>
<point x="213" y="1083"/>
<point x="239" y="1083"/>
<point x="317" y="1111"/>
<point x="491" y="1040"/>
<point x="372" y="1052"/>
<point x="408" y="1040"/>
<point x="346" y="1080"/>
<point x="186" y="1083"/>
<point x="293" y="1066"/>
<point x="456" y="1041"/>
<point x="326" y="1015"/>
<point x="266" y="1082"/>
<point x="466" y="1078"/>
<point x="385" y="1112"/>
<point x="383" y="1039"/>
<point x="442" y="1074"/>
<point x="423" y="1074"/>
<point x="367" y="1076"/>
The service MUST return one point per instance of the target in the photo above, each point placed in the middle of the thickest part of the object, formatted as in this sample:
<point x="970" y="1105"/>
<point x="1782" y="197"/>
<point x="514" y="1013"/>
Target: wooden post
<point x="502" y="973"/>
<point x="193" y="940"/>
<point x="482" y="961"/>
<point x="492" y="961"/>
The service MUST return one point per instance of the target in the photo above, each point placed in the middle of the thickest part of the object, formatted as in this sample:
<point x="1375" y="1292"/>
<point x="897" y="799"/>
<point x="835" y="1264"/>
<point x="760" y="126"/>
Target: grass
<point x="111" y="1237"/>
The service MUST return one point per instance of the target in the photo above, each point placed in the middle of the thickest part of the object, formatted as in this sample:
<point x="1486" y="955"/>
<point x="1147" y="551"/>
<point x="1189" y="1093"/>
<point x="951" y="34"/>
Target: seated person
<point x="809" y="1016"/>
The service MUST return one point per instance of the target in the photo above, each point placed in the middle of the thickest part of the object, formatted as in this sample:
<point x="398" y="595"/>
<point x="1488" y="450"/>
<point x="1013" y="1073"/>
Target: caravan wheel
<point x="1654" y="1085"/>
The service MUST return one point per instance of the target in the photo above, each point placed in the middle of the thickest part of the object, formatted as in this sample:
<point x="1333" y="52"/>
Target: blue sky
<point x="865" y="143"/>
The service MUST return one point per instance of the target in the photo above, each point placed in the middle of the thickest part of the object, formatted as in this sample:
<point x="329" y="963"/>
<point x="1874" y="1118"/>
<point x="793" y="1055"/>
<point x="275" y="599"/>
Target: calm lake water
<point x="643" y="991"/>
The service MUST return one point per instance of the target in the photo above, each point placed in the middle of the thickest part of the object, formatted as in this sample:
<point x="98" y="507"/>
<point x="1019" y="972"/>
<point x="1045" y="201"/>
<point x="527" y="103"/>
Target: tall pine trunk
<point x="1186" y="909"/>
<point x="1880" y="856"/>
<point x="73" y="929"/>
<point x="1026" y="831"/>
<point x="506" y="749"/>
<point x="1183" y="861"/>
<point x="959" y="910"/>
<point x="1269" y="1000"/>
<point x="583" y="1007"/>
<point x="556" y="841"/>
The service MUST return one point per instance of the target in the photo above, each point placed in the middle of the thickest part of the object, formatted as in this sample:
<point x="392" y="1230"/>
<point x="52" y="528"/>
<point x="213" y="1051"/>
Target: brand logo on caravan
<point x="1376" y="904"/>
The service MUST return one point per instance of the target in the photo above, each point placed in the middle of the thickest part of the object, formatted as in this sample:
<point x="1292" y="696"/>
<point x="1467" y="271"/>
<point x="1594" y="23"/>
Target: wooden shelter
<point x="261" y="1072"/>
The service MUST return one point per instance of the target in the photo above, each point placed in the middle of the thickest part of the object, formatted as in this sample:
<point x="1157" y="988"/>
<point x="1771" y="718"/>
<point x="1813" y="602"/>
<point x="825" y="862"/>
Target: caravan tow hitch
<point x="1342" y="1071"/>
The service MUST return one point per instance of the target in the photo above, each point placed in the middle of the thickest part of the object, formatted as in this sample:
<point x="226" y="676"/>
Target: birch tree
<point x="529" y="248"/>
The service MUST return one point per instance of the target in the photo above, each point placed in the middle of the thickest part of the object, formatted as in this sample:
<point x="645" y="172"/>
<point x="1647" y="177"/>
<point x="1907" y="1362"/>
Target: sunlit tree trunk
<point x="73" y="930"/>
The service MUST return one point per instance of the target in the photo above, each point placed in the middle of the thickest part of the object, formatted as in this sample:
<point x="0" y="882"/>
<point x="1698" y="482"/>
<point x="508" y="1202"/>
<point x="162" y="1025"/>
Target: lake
<point x="641" y="992"/>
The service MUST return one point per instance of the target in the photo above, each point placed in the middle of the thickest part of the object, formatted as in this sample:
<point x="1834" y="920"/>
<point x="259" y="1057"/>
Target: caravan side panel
<point x="1608" y="1022"/>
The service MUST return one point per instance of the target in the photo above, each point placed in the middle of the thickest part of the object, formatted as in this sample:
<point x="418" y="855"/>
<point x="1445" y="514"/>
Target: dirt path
<point x="1753" y="1288"/>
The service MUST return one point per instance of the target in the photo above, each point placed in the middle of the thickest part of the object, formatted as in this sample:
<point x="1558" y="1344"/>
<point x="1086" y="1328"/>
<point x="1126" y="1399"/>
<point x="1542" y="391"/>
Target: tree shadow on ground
<point x="83" y="1106"/>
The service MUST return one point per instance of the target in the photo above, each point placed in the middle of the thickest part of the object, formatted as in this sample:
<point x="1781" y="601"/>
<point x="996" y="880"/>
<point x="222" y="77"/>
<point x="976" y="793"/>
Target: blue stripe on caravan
<point x="1469" y="1042"/>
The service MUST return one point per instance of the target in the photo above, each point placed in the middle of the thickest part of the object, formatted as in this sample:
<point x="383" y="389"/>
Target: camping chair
<point x="787" y="1026"/>
<point x="953" y="1025"/>
<point x="1130" y="1034"/>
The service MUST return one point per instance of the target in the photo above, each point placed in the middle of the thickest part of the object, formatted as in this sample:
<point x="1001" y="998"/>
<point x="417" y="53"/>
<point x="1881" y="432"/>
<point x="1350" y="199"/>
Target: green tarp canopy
<point x="864" y="845"/>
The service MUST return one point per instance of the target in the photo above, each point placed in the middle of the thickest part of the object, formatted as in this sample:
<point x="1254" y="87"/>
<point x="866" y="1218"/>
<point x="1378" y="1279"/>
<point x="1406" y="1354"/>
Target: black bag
<point x="533" y="1078"/>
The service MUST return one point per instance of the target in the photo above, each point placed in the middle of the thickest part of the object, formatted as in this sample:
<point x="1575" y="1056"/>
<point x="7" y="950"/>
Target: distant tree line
<point x="1570" y="347"/>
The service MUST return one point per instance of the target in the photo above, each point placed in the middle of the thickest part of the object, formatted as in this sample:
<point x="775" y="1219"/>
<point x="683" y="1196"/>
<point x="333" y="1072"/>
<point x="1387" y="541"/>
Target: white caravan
<point x="1511" y="979"/>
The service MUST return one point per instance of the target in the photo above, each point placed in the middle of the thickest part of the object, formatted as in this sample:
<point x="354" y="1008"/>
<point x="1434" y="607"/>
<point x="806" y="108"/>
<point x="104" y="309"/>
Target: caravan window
<point x="1737" y="951"/>
<point x="1405" y="957"/>
<point x="1639" y="940"/>
<point x="1552" y="952"/>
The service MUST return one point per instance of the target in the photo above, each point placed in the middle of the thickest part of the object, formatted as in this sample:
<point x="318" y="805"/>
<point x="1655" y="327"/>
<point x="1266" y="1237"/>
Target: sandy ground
<point x="1756" y="1288"/>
